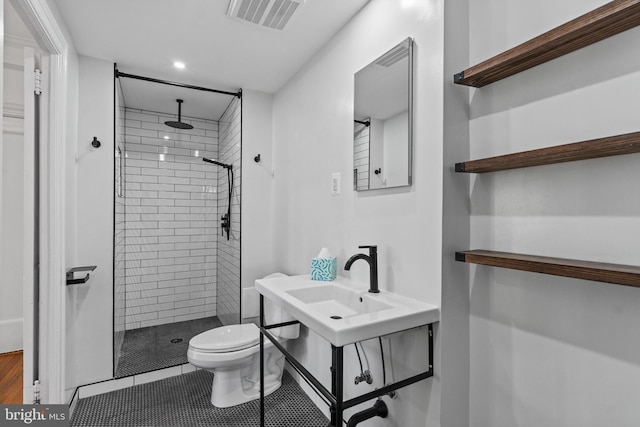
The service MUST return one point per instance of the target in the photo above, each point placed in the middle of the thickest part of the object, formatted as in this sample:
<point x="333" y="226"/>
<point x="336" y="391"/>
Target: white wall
<point x="454" y="321"/>
<point x="11" y="239"/>
<point x="90" y="306"/>
<point x="71" y="203"/>
<point x="546" y="350"/>
<point x="313" y="138"/>
<point x="11" y="243"/>
<point x="257" y="251"/>
<point x="71" y="177"/>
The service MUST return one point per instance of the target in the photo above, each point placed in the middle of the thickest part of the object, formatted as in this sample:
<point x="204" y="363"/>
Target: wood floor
<point x="11" y="378"/>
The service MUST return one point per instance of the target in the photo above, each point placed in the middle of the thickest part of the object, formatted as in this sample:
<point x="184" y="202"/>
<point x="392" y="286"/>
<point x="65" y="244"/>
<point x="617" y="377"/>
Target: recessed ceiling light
<point x="179" y="65"/>
<point x="166" y="137"/>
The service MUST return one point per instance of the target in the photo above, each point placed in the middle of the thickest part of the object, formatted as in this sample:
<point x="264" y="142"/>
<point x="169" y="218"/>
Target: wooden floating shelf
<point x="600" y="272"/>
<point x="603" y="147"/>
<point x="601" y="23"/>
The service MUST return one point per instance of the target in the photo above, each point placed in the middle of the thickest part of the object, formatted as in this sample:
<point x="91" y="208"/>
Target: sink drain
<point x="176" y="340"/>
<point x="336" y="317"/>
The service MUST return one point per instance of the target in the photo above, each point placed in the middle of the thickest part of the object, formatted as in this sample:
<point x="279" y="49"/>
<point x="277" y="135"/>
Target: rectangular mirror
<point x="383" y="120"/>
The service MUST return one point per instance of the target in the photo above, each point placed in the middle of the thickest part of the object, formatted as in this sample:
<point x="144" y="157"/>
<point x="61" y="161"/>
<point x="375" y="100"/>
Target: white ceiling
<point x="145" y="37"/>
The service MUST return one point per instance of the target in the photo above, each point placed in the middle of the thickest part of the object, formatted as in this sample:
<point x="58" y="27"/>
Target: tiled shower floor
<point x="151" y="348"/>
<point x="184" y="401"/>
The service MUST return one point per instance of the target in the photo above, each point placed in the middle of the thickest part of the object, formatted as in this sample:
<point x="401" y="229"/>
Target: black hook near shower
<point x="226" y="218"/>
<point x="179" y="124"/>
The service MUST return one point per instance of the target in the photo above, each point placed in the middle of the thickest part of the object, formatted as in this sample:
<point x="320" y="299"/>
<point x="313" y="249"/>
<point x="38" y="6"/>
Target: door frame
<point x="43" y="23"/>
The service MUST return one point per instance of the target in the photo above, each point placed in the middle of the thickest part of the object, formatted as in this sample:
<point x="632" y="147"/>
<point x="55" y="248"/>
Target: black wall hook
<point x="378" y="171"/>
<point x="95" y="142"/>
<point x="257" y="158"/>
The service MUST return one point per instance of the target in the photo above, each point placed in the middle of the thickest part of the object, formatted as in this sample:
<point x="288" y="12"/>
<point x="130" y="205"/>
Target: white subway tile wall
<point x="228" y="298"/>
<point x="171" y="219"/>
<point x="119" y="291"/>
<point x="361" y="156"/>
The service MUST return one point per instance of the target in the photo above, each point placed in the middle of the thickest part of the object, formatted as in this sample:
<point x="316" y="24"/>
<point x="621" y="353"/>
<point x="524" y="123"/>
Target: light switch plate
<point x="335" y="184"/>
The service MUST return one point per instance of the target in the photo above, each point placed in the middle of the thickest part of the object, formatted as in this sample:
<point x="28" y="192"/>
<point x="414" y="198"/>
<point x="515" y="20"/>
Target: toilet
<point x="232" y="354"/>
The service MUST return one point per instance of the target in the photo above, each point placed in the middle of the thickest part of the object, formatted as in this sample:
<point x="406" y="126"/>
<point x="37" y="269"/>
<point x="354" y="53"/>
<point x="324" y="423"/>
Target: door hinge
<point x="38" y="82"/>
<point x="36" y="392"/>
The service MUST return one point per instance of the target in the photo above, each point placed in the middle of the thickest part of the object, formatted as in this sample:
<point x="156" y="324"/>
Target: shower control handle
<point x="225" y="225"/>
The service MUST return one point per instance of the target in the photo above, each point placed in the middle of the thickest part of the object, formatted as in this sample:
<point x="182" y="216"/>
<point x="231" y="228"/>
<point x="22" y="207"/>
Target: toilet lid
<point x="226" y="338"/>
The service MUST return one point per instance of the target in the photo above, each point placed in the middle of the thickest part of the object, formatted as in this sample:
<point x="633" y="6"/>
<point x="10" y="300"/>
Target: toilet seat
<point x="224" y="339"/>
<point x="225" y="344"/>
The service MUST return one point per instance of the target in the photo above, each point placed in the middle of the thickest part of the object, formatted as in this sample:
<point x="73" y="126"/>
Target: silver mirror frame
<point x="410" y="141"/>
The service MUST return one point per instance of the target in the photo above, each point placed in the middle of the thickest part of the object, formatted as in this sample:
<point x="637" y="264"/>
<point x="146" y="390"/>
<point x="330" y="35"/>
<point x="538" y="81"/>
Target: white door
<point x="30" y="278"/>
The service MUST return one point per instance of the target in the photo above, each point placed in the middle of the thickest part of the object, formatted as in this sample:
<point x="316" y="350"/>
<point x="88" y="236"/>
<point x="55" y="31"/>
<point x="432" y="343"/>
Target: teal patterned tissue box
<point x="325" y="269"/>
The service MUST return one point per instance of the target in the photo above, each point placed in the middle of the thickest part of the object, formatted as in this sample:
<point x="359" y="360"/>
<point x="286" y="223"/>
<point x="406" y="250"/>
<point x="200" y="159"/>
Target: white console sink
<point x="343" y="311"/>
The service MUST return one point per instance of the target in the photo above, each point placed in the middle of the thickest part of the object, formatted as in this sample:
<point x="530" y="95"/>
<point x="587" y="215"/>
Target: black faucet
<point x="372" y="259"/>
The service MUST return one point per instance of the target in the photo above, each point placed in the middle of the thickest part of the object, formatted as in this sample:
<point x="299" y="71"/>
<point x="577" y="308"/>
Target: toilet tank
<point x="274" y="314"/>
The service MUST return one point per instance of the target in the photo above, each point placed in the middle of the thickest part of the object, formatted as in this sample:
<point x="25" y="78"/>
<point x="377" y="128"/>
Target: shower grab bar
<point x="72" y="281"/>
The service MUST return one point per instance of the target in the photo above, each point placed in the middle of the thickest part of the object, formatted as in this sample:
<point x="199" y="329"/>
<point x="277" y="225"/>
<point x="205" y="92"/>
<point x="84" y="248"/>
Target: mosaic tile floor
<point x="184" y="401"/>
<point x="148" y="349"/>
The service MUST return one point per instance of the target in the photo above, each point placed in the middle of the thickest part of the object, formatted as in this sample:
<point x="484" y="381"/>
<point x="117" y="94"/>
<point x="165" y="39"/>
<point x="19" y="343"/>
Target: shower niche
<point x="175" y="274"/>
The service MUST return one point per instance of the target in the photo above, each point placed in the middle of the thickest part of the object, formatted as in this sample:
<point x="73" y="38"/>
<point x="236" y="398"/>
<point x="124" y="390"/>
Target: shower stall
<point x="177" y="218"/>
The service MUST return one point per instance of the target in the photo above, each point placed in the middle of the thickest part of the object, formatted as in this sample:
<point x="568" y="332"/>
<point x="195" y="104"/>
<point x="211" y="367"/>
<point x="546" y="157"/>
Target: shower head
<point x="179" y="124"/>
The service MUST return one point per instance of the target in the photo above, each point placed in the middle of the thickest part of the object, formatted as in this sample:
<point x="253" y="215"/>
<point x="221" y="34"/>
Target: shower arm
<point x="224" y="165"/>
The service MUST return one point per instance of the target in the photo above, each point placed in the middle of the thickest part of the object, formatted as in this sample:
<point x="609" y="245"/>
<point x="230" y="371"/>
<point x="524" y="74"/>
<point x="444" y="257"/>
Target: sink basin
<point x="343" y="311"/>
<point x="338" y="302"/>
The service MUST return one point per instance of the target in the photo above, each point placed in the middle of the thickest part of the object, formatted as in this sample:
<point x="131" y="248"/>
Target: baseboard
<point x="10" y="335"/>
<point x="71" y="396"/>
<point x="107" y="386"/>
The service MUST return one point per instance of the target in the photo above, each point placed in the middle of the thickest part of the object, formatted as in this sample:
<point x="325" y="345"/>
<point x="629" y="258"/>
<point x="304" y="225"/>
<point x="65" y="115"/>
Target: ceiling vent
<point x="394" y="55"/>
<point x="272" y="14"/>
